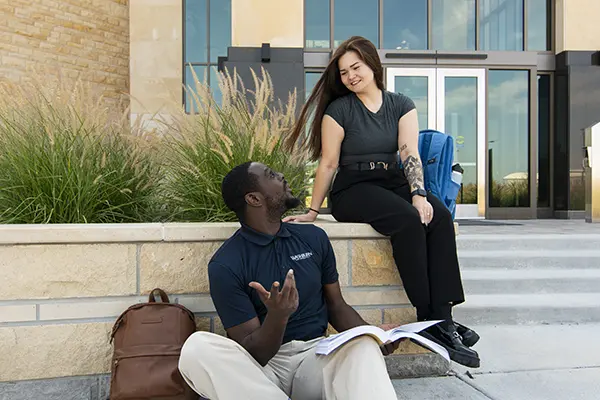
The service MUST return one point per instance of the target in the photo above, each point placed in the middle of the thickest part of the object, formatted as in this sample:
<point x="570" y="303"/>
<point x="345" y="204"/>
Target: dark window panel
<point x="310" y="80"/>
<point x="543" y="141"/>
<point x="538" y="12"/>
<point x="405" y="24"/>
<point x="196" y="46"/>
<point x="501" y="25"/>
<point x="453" y="24"/>
<point x="356" y="18"/>
<point x="220" y="28"/>
<point x="508" y="138"/>
<point x="317" y="24"/>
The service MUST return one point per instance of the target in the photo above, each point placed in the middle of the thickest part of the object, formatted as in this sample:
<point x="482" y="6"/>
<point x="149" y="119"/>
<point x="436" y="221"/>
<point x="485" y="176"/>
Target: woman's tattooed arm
<point x="414" y="172"/>
<point x="408" y="144"/>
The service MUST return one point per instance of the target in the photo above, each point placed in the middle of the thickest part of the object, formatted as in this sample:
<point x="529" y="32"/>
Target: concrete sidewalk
<point x="533" y="294"/>
<point x="549" y="362"/>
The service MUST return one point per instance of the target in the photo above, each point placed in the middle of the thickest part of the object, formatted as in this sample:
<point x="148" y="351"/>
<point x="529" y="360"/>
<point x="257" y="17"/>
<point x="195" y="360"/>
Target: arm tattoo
<point x="414" y="173"/>
<point x="403" y="147"/>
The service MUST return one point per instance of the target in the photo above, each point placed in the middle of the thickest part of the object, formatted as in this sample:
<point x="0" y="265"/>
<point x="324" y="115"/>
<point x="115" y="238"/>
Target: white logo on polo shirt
<point x="302" y="256"/>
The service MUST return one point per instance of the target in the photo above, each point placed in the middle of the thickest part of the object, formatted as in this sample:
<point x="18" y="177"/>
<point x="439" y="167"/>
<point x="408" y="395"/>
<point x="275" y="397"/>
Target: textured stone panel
<point x="401" y="315"/>
<point x="373" y="264"/>
<point x="218" y="326"/>
<point x="375" y="297"/>
<point x="57" y="271"/>
<point x="71" y="36"/>
<point x="372" y="317"/>
<point x="37" y="352"/>
<point x="203" y="324"/>
<point x="176" y="267"/>
<point x="340" y="248"/>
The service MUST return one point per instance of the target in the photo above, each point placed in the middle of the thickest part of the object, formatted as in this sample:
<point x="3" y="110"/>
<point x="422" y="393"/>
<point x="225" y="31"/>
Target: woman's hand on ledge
<point x="310" y="216"/>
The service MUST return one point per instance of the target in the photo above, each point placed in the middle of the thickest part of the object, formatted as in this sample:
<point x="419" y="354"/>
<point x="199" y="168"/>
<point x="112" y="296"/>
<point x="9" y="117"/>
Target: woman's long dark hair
<point x="330" y="87"/>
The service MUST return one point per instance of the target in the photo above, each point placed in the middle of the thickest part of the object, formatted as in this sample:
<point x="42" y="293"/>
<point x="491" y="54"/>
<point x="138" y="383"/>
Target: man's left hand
<point x="389" y="348"/>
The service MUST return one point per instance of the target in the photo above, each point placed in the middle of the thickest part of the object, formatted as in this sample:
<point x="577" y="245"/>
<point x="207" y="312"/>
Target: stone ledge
<point x="159" y="232"/>
<point x="153" y="232"/>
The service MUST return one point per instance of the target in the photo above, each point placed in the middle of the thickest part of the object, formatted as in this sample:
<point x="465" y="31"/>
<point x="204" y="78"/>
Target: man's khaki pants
<point x="220" y="369"/>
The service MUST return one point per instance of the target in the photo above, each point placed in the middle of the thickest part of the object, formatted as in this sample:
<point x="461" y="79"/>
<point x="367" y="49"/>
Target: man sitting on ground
<point x="272" y="331"/>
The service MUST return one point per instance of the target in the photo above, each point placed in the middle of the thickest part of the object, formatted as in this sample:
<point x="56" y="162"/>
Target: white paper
<point x="333" y="342"/>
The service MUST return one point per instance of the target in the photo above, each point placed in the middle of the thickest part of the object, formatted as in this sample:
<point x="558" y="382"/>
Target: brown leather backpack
<point x="147" y="343"/>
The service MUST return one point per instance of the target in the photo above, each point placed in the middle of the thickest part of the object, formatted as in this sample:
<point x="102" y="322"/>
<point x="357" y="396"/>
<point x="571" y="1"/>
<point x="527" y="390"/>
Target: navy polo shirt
<point x="253" y="256"/>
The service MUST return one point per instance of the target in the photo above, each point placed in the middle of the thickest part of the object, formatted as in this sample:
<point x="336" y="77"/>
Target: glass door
<point x="452" y="101"/>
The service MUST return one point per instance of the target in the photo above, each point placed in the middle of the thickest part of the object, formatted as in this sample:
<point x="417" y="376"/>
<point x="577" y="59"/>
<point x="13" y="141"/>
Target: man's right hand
<point x="282" y="302"/>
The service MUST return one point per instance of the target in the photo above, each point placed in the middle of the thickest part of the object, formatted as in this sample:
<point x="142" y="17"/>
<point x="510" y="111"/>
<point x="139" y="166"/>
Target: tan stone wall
<point x="69" y="283"/>
<point x="75" y="36"/>
<point x="280" y="23"/>
<point x="577" y="25"/>
<point x="156" y="28"/>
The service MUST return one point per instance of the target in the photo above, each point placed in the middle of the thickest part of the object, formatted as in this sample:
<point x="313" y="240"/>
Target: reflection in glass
<point x="501" y="25"/>
<point x="220" y="28"/>
<point x="543" y="141"/>
<point x="356" y="17"/>
<point x="461" y="123"/>
<point x="214" y="84"/>
<point x="537" y="25"/>
<point x="310" y="80"/>
<point x="508" y="138"/>
<point x="453" y="25"/>
<point x="415" y="87"/>
<point x="316" y="14"/>
<point x="190" y="85"/>
<point x="195" y="31"/>
<point x="405" y="25"/>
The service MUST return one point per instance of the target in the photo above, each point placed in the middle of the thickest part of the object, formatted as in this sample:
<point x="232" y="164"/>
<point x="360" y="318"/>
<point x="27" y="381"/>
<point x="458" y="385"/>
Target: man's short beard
<point x="277" y="209"/>
<point x="291" y="203"/>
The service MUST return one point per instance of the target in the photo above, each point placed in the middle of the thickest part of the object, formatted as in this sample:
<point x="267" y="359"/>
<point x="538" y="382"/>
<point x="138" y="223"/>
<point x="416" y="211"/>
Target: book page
<point x="328" y="345"/>
<point x="415" y="327"/>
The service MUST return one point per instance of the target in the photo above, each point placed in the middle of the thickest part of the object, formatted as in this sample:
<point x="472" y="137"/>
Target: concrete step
<point x="530" y="259"/>
<point x="534" y="242"/>
<point x="527" y="309"/>
<point x="530" y="281"/>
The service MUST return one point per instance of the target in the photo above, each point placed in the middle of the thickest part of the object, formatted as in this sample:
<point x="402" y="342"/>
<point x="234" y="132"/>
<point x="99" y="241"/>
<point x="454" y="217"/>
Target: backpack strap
<point x="163" y="296"/>
<point x="432" y="151"/>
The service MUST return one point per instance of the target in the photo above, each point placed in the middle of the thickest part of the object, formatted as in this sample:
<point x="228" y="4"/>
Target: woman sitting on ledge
<point x="357" y="130"/>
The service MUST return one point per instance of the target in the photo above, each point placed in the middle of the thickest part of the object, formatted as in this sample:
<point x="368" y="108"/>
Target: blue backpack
<point x="437" y="154"/>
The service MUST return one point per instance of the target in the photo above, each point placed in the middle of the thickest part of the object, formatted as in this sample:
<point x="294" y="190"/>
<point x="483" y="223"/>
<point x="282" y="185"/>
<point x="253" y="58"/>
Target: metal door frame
<point x="436" y="120"/>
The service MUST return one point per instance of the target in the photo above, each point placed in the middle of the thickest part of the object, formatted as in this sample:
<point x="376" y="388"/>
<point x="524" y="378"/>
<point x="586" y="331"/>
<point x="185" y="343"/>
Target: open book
<point x="409" y="331"/>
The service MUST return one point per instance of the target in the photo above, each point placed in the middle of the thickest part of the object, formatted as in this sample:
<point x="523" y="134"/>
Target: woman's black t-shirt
<point x="369" y="136"/>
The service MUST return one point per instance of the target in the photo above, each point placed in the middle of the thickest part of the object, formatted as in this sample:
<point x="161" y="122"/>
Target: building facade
<point x="515" y="82"/>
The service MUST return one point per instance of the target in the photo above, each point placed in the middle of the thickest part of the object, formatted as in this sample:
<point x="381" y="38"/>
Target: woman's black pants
<point x="426" y="256"/>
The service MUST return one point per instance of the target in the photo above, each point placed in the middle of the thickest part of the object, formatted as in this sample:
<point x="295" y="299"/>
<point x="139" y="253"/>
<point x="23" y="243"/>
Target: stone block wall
<point x="66" y="284"/>
<point x="73" y="36"/>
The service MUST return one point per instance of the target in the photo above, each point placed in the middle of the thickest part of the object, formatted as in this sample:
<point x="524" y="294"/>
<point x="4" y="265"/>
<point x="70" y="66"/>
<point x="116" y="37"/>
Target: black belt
<point x="372" y="165"/>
